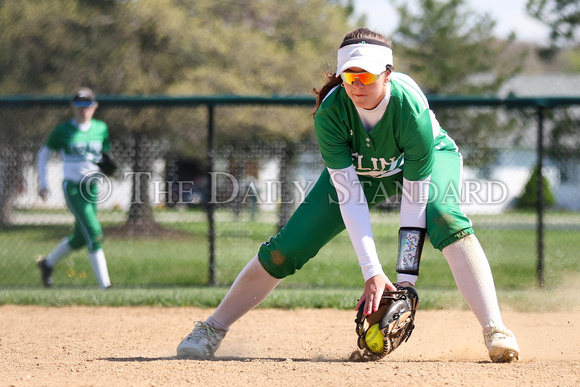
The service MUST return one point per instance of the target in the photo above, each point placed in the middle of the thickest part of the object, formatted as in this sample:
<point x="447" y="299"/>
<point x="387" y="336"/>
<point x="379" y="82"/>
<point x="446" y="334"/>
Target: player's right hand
<point x="43" y="193"/>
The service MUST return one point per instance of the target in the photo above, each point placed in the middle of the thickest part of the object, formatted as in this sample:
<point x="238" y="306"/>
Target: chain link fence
<point x="203" y="181"/>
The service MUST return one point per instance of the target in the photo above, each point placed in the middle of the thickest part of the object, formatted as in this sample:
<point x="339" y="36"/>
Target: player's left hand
<point x="374" y="289"/>
<point x="43" y="193"/>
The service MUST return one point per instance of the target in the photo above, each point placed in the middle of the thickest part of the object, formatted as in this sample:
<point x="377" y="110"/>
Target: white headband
<point x="369" y="57"/>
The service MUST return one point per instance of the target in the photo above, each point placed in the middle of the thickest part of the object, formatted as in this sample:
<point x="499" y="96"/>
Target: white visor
<point x="369" y="57"/>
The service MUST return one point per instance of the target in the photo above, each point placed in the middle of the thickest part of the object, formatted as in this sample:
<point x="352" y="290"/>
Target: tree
<point x="529" y="197"/>
<point x="199" y="47"/>
<point x="450" y="49"/>
<point x="563" y="19"/>
<point x="15" y="153"/>
<point x="444" y="43"/>
<point x="563" y="147"/>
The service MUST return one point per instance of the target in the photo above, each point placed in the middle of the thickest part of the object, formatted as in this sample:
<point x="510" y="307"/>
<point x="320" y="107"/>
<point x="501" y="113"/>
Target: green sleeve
<point x="417" y="142"/>
<point x="106" y="141"/>
<point x="332" y="140"/>
<point x="54" y="141"/>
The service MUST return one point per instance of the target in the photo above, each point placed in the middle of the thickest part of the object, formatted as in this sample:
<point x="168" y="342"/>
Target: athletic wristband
<point x="410" y="247"/>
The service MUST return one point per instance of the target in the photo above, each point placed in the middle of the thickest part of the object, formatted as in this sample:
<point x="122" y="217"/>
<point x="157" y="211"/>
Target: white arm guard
<point x="356" y="215"/>
<point x="413" y="216"/>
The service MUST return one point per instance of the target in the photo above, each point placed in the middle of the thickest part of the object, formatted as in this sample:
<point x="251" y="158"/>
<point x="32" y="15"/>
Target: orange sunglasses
<point x="365" y="78"/>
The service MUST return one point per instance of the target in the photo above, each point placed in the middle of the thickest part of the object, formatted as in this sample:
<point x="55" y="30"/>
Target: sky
<point x="510" y="15"/>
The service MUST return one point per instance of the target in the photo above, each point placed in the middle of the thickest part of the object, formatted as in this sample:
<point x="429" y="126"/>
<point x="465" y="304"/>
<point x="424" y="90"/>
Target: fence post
<point x="540" y="195"/>
<point x="210" y="206"/>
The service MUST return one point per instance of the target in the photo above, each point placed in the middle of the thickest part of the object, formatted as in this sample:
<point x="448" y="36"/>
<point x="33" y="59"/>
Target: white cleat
<point x="501" y="344"/>
<point x="201" y="343"/>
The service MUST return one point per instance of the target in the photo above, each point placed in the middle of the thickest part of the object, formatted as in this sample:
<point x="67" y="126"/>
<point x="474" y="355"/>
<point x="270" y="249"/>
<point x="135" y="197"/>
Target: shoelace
<point x="205" y="331"/>
<point x="502" y="334"/>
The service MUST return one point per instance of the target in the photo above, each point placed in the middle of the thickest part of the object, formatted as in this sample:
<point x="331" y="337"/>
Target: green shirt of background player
<point x="80" y="142"/>
<point x="378" y="138"/>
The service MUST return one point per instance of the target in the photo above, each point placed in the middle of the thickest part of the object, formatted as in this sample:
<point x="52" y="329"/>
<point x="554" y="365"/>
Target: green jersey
<point x="405" y="141"/>
<point x="80" y="149"/>
<point x="407" y="134"/>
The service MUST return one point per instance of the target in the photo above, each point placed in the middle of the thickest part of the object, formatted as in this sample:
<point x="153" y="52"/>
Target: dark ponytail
<point x="331" y="81"/>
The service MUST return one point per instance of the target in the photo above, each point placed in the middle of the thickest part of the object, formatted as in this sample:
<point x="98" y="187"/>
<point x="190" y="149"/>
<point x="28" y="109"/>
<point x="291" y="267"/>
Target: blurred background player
<point x="376" y="134"/>
<point x="80" y="142"/>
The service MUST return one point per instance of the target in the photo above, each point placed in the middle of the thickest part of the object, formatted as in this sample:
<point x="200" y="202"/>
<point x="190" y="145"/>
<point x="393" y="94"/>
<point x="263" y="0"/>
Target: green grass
<point x="313" y="298"/>
<point x="174" y="271"/>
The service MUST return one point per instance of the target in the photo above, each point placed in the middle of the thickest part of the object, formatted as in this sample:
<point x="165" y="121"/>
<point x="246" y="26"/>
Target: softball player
<point x="378" y="138"/>
<point x="80" y="142"/>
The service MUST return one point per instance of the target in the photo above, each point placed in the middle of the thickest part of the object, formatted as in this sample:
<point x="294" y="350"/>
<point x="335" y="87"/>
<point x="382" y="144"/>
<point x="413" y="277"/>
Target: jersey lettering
<point x="384" y="162"/>
<point x="83" y="150"/>
<point x="380" y="166"/>
<point x="359" y="159"/>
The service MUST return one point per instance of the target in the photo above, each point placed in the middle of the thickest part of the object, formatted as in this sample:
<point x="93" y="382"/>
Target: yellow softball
<point x="374" y="339"/>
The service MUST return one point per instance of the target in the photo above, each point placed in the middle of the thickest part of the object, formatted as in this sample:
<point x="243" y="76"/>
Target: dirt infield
<point x="103" y="346"/>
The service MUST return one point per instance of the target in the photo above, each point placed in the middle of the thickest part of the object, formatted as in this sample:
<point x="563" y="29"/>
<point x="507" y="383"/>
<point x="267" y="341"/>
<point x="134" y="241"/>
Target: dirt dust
<point x="135" y="346"/>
